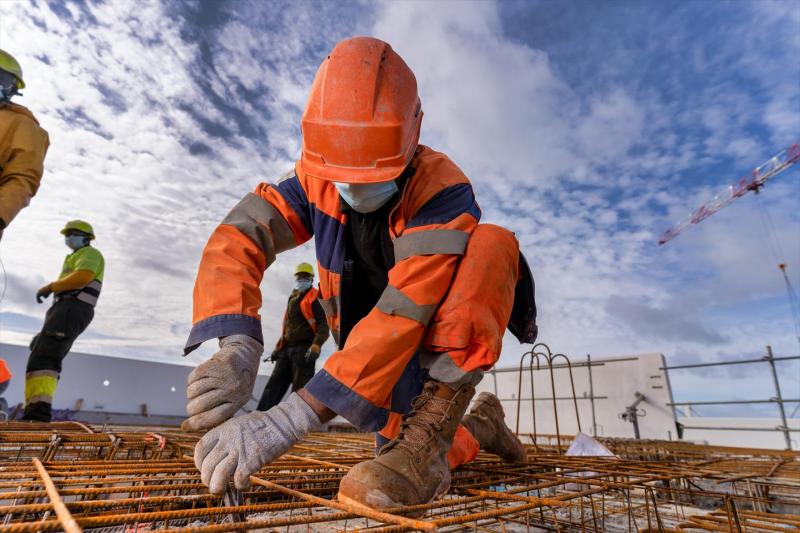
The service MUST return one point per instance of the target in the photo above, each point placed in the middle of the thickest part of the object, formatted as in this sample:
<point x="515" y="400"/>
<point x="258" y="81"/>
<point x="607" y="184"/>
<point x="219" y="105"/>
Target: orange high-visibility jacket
<point x="23" y="145"/>
<point x="430" y="227"/>
<point x="306" y="303"/>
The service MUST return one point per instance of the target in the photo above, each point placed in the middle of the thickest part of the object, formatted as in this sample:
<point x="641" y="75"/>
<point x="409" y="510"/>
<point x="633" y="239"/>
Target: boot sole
<point x="378" y="500"/>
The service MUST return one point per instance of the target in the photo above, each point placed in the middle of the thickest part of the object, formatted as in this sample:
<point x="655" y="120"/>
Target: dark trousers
<point x="290" y="367"/>
<point x="63" y="323"/>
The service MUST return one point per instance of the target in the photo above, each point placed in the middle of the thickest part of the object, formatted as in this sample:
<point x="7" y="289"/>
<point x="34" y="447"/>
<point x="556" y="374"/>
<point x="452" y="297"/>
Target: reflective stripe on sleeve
<point x="262" y="224"/>
<point x="430" y="242"/>
<point x="90" y="293"/>
<point x="394" y="302"/>
<point x="85" y="297"/>
<point x="330" y="306"/>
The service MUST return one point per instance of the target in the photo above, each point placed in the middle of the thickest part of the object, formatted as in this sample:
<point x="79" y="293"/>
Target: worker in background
<point x="305" y="330"/>
<point x="417" y="294"/>
<point x="75" y="295"/>
<point x="23" y="144"/>
<point x="5" y="380"/>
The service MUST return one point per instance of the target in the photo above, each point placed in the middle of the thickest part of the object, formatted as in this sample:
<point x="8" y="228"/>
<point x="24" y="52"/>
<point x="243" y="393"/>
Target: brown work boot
<point x="412" y="469"/>
<point x="487" y="423"/>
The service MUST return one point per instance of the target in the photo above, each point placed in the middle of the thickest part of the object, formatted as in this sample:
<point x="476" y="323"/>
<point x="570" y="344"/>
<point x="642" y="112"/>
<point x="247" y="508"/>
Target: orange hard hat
<point x="362" y="120"/>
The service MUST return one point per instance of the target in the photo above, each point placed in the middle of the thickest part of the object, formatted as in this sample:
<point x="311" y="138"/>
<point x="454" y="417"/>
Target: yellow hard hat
<point x="304" y="268"/>
<point x="11" y="65"/>
<point x="79" y="225"/>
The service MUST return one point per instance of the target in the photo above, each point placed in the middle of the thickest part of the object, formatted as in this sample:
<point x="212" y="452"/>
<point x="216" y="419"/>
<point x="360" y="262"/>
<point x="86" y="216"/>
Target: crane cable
<point x="777" y="252"/>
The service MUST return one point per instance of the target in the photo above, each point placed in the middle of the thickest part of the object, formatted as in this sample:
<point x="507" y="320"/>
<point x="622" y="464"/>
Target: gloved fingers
<point x="201" y="385"/>
<point x="209" y="419"/>
<point x="210" y="462"/>
<point x="241" y="479"/>
<point x="207" y="401"/>
<point x="203" y="447"/>
<point x="222" y="474"/>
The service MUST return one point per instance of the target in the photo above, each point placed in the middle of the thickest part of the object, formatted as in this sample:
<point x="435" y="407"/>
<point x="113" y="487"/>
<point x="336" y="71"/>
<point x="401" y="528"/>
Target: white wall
<point x="615" y="381"/>
<point x="130" y="383"/>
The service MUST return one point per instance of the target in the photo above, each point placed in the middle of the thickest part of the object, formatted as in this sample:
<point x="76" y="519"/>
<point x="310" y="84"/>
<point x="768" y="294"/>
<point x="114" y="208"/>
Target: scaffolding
<point x="69" y="476"/>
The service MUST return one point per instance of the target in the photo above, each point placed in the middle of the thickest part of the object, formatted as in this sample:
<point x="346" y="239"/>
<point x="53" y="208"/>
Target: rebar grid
<point x="129" y="481"/>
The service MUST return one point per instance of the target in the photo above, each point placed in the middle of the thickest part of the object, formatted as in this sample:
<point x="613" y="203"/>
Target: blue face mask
<point x="366" y="197"/>
<point x="75" y="241"/>
<point x="8" y="86"/>
<point x="303" y="284"/>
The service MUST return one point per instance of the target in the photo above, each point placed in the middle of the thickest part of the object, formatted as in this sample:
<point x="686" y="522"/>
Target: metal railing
<point x="778" y="399"/>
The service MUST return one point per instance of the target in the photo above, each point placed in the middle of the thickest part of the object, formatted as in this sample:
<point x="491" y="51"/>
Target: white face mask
<point x="75" y="242"/>
<point x="366" y="197"/>
<point x="303" y="284"/>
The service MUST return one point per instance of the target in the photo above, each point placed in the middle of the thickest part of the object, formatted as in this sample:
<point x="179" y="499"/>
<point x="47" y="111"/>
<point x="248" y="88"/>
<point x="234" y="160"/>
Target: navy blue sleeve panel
<point x="446" y="205"/>
<point x="295" y="196"/>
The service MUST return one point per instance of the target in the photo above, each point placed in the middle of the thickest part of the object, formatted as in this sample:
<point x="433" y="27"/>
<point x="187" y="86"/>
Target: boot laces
<point x="428" y="413"/>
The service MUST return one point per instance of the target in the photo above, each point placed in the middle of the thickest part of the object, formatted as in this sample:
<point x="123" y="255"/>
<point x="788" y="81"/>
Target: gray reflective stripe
<point x="330" y="306"/>
<point x="87" y="298"/>
<point x="442" y="368"/>
<point x="394" y="302"/>
<point x="430" y="242"/>
<point x="263" y="224"/>
<point x="39" y="398"/>
<point x="39" y="373"/>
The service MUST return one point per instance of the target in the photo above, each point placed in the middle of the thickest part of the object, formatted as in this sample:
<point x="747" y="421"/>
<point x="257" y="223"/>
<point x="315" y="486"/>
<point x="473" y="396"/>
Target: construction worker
<point x="417" y="294"/>
<point x="75" y="295"/>
<point x="23" y="145"/>
<point x="305" y="330"/>
<point x="5" y="380"/>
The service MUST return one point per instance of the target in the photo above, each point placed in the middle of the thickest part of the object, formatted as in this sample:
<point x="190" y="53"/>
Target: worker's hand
<point x="223" y="384"/>
<point x="242" y="445"/>
<point x="44" y="292"/>
<point x="312" y="353"/>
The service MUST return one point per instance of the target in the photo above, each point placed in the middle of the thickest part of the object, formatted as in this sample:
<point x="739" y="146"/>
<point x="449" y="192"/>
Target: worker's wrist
<point x="324" y="413"/>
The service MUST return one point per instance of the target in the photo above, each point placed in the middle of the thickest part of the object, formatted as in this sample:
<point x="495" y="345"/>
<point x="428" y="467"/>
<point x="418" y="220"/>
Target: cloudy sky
<point x="587" y="128"/>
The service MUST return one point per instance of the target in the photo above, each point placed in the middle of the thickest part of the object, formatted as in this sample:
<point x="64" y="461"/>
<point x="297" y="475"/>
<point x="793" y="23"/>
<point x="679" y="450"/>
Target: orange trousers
<point x="465" y="336"/>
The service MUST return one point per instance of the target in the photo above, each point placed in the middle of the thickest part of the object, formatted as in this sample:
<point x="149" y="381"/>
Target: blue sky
<point x="587" y="128"/>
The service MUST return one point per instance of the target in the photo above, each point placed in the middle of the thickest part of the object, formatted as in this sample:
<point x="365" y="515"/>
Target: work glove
<point x="223" y="384"/>
<point x="242" y="445"/>
<point x="43" y="293"/>
<point x="312" y="353"/>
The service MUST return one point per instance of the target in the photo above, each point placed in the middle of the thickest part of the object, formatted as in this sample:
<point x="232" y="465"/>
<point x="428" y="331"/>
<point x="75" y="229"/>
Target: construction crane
<point x="749" y="182"/>
<point x="753" y="181"/>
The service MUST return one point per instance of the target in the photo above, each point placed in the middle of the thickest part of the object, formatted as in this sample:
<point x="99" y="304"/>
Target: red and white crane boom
<point x="749" y="182"/>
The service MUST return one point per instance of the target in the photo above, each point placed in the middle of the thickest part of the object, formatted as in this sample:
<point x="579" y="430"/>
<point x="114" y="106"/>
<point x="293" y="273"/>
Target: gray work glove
<point x="223" y="384"/>
<point x="242" y="445"/>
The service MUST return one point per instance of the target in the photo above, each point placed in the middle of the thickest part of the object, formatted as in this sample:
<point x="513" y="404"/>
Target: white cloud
<point x="587" y="174"/>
